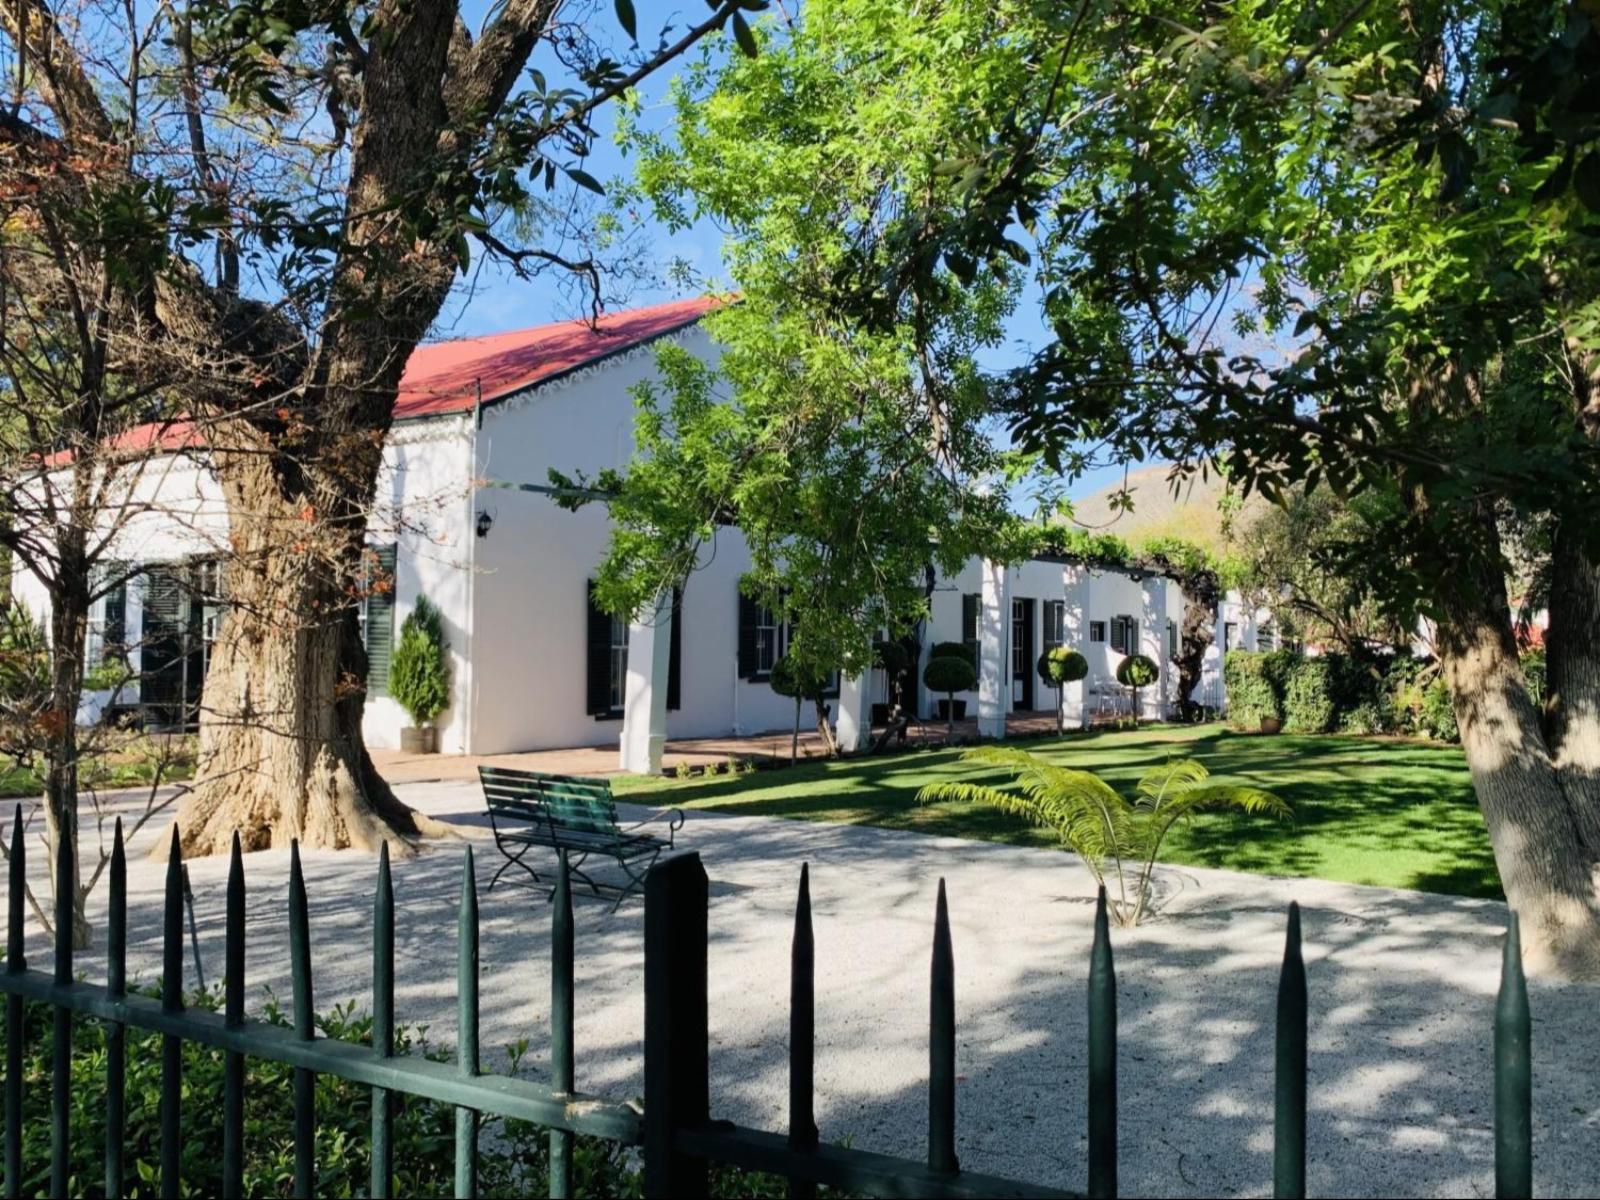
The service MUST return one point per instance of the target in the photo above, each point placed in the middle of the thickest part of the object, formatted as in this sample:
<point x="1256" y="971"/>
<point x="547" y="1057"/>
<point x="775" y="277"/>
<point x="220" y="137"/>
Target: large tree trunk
<point x="281" y="750"/>
<point x="1541" y="824"/>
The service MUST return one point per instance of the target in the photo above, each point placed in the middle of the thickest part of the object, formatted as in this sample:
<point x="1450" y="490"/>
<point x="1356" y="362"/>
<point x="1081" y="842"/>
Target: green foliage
<point x="24" y="665"/>
<point x="955" y="650"/>
<point x="1061" y="664"/>
<point x="1137" y="671"/>
<point x="791" y="678"/>
<point x="1438" y="717"/>
<point x="1092" y="819"/>
<point x="108" y="676"/>
<point x="1308" y="700"/>
<point x="419" y="671"/>
<point x="949" y="673"/>
<point x="1535" y="674"/>
<point x="513" y="1156"/>
<point x="1252" y="692"/>
<point x="891" y="656"/>
<point x="1081" y="545"/>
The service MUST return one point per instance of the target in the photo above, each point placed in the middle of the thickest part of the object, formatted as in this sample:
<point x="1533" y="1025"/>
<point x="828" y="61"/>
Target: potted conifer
<point x="419" y="676"/>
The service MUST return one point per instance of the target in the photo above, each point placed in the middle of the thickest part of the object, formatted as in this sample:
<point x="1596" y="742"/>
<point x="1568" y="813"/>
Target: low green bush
<point x="1364" y="718"/>
<point x="1251" y="694"/>
<point x="1308" y="697"/>
<point x="1535" y="674"/>
<point x="513" y="1154"/>
<point x="1438" y="717"/>
<point x="419" y="672"/>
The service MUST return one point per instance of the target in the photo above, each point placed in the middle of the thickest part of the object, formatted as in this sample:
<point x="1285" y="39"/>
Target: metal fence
<point x="675" y="1130"/>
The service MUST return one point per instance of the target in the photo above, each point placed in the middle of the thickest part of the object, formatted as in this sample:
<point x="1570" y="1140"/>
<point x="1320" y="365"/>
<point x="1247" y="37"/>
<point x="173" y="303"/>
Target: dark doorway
<point x="182" y="610"/>
<point x="1022" y="655"/>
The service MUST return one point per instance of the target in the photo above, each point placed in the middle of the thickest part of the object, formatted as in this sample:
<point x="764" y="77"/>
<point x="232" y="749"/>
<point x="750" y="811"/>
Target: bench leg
<point x="514" y="860"/>
<point x="635" y="880"/>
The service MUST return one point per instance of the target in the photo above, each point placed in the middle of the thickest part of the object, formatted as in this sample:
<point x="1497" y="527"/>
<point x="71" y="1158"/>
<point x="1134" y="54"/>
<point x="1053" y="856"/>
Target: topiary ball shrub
<point x="955" y="650"/>
<point x="950" y="673"/>
<point x="1137" y="671"/>
<point x="1061" y="664"/>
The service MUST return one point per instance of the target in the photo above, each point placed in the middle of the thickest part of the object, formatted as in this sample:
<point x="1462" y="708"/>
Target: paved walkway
<point x="398" y="767"/>
<point x="1402" y="996"/>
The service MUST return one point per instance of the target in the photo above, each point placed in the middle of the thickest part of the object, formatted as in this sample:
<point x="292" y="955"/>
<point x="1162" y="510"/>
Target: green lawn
<point x="1366" y="810"/>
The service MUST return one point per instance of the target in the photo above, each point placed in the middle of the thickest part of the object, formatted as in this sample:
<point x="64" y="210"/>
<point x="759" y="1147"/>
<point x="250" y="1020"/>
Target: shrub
<point x="1059" y="665"/>
<point x="1251" y="694"/>
<point x="961" y="650"/>
<point x="950" y="673"/>
<point x="513" y="1155"/>
<point x="891" y="656"/>
<point x="419" y="674"/>
<point x="1535" y="674"/>
<point x="1364" y="718"/>
<point x="1438" y="716"/>
<point x="1308" y="705"/>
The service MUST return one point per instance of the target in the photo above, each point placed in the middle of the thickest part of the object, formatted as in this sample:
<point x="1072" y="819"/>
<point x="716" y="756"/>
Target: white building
<point x="534" y="664"/>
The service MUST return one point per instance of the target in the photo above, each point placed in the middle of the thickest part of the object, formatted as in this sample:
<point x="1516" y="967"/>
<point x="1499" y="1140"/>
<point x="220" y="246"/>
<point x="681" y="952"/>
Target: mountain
<point x="1193" y="513"/>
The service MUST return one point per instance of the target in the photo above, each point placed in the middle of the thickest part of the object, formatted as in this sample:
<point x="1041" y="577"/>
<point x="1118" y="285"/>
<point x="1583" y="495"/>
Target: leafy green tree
<point x="1342" y="246"/>
<point x="846" y="428"/>
<point x="1095" y="822"/>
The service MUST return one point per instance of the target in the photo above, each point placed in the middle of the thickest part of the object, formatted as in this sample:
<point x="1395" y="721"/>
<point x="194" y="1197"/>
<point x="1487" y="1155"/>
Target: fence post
<point x="563" y="1064"/>
<point x="676" y="1066"/>
<point x="16" y="962"/>
<point x="1102" y="1058"/>
<point x="1513" y="1076"/>
<point x="1289" y="1109"/>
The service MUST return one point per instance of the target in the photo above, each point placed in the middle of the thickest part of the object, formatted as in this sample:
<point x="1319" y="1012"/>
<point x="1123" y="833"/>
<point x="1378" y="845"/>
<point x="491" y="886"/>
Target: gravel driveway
<point x="1402" y="993"/>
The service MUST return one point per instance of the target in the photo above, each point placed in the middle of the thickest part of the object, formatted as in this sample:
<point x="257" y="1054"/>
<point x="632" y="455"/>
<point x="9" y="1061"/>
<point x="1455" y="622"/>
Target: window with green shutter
<point x="376" y="616"/>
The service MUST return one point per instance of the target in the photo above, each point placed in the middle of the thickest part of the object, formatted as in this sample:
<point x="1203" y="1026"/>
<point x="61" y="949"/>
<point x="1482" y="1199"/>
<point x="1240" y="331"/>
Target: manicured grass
<point x="1366" y="810"/>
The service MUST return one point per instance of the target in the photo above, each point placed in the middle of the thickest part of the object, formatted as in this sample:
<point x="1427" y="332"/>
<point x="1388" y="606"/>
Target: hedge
<point x="1358" y="694"/>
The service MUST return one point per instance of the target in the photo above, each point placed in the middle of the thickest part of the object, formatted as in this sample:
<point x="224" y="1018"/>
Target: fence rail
<point x="675" y="1128"/>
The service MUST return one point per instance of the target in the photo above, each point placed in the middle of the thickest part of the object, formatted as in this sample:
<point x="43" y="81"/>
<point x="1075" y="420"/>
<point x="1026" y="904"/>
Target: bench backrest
<point x="565" y="801"/>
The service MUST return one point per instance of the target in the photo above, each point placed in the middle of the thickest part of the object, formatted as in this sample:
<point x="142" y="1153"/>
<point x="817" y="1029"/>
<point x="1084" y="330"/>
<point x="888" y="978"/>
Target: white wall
<point x="530" y="605"/>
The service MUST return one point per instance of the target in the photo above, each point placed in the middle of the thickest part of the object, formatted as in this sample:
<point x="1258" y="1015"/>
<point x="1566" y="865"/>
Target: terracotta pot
<point x="1271" y="725"/>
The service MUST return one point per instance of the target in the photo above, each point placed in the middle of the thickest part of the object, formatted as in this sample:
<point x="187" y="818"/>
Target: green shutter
<point x="675" y="654"/>
<point x="597" y="668"/>
<point x="380" y="588"/>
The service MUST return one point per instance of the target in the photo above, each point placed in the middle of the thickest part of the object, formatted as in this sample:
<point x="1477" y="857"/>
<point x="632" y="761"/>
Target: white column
<point x="1154" y="642"/>
<point x="994" y="675"/>
<point x="852" y="726"/>
<point x="644" y="707"/>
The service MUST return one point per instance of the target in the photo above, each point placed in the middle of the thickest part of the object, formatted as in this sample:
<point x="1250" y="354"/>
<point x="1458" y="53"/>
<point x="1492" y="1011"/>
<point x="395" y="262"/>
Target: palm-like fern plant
<point x="1091" y="818"/>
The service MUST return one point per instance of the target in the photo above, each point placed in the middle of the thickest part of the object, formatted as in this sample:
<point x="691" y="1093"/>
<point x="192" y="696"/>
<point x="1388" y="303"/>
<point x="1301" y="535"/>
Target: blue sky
<point x="492" y="299"/>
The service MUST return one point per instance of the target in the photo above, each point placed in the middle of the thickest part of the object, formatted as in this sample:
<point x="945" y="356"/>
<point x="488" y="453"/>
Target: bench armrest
<point x="673" y="817"/>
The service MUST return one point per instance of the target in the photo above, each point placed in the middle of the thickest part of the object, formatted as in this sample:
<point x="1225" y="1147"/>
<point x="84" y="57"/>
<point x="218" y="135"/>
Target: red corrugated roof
<point x="444" y="377"/>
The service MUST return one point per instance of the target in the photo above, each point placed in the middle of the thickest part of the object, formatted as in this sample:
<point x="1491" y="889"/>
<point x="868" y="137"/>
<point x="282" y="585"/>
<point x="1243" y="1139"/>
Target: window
<point x="106" y="639"/>
<point x="1230" y="636"/>
<point x="1124" y="635"/>
<point x="1097" y="631"/>
<point x="375" y="615"/>
<point x="770" y="640"/>
<point x="617" y="666"/>
<point x="1055" y="624"/>
<point x="971" y="606"/>
<point x="1266" y="636"/>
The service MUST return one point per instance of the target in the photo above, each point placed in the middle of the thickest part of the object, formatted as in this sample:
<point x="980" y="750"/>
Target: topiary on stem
<point x="1136" y="671"/>
<point x="1059" y="666"/>
<point x="950" y="673"/>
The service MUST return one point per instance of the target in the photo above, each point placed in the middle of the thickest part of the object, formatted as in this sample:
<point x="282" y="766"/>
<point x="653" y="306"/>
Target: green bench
<point x="575" y="817"/>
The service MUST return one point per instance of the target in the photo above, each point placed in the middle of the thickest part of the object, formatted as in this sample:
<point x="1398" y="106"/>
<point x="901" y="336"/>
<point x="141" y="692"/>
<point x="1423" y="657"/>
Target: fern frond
<point x="1161" y="782"/>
